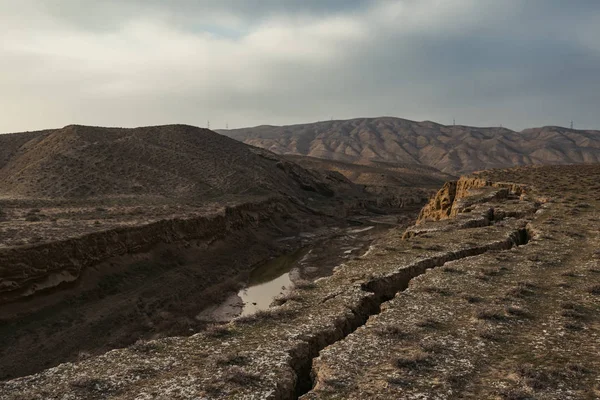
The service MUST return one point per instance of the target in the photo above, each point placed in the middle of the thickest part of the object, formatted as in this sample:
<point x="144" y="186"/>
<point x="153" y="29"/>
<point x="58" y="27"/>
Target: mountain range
<point x="451" y="149"/>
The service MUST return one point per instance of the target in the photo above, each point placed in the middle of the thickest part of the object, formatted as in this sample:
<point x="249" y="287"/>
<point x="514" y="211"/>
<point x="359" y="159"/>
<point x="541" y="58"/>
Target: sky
<point x="238" y="63"/>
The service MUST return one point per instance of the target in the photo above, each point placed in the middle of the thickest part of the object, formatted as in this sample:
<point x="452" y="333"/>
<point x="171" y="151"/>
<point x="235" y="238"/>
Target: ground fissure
<point x="476" y="325"/>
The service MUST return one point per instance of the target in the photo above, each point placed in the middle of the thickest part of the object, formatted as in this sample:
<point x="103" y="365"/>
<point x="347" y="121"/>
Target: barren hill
<point x="378" y="173"/>
<point x="451" y="149"/>
<point x="175" y="161"/>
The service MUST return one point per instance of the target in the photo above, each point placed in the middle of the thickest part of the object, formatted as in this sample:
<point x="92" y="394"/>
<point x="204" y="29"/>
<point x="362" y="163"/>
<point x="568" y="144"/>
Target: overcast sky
<point x="519" y="63"/>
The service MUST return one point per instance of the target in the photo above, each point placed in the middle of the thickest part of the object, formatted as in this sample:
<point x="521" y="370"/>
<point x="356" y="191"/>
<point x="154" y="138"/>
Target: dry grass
<point x="218" y="331"/>
<point x="413" y="361"/>
<point x="490" y="314"/>
<point x="429" y="323"/>
<point x="240" y="376"/>
<point x="392" y="331"/>
<point x="272" y="314"/>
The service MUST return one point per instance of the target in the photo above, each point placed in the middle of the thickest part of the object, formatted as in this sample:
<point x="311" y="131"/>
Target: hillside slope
<point x="176" y="161"/>
<point x="378" y="173"/>
<point x="451" y="149"/>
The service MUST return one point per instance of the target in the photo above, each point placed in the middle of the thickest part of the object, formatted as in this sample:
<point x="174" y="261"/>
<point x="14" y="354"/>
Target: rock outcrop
<point x="456" y="196"/>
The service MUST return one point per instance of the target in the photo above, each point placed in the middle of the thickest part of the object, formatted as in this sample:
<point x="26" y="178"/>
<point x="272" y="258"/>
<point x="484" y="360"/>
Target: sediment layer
<point x="28" y="269"/>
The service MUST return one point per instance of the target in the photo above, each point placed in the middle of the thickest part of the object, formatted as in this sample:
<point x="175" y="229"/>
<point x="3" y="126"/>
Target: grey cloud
<point x="485" y="62"/>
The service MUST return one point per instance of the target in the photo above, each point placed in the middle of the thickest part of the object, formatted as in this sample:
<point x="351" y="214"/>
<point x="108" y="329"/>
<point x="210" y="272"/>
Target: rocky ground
<point x="499" y="298"/>
<point x="111" y="235"/>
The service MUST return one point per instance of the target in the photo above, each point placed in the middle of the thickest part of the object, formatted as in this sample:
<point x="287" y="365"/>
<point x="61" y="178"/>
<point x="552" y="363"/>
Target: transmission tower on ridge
<point x="571" y="124"/>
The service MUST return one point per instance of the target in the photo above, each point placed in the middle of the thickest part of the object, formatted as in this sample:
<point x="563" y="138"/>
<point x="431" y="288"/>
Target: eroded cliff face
<point x="26" y="270"/>
<point x="450" y="200"/>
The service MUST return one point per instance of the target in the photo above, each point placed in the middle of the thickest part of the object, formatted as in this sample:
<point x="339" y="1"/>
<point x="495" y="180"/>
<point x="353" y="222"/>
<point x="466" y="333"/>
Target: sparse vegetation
<point x="472" y="299"/>
<point x="595" y="290"/>
<point x="429" y="323"/>
<point x="392" y="331"/>
<point x="218" y="331"/>
<point x="413" y="361"/>
<point x="240" y="376"/>
<point x="519" y="312"/>
<point x="303" y="284"/>
<point x="489" y="314"/>
<point x="275" y="313"/>
<point x="233" y="359"/>
<point x="437" y="290"/>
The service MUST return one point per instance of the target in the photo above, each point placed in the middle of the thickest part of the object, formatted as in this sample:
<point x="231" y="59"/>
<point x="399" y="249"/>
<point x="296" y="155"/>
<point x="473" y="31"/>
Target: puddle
<point x="268" y="281"/>
<point x="275" y="277"/>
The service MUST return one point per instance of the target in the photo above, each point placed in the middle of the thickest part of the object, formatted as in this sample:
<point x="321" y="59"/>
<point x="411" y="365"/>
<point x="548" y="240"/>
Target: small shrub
<point x="574" y="326"/>
<point x="452" y="270"/>
<point x="304" y="284"/>
<point x="233" y="359"/>
<point x="573" y="314"/>
<point x="490" y="272"/>
<point x="285" y="297"/>
<point x="266" y="315"/>
<point x="491" y="315"/>
<point x="472" y="299"/>
<point x="241" y="377"/>
<point x="143" y="346"/>
<point x="335" y="383"/>
<point x="92" y="385"/>
<point x="523" y="289"/>
<point x="516" y="311"/>
<point x="397" y="381"/>
<point x="392" y="331"/>
<point x="415" y="361"/>
<point x="437" y="290"/>
<point x="430" y="346"/>
<point x="218" y="331"/>
<point x="429" y="323"/>
<point x="595" y="290"/>
<point x="538" y="378"/>
<point x="488" y="333"/>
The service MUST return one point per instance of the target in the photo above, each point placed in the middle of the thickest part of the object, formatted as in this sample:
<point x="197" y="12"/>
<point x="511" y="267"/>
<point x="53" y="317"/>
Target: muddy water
<point x="269" y="281"/>
<point x="278" y="275"/>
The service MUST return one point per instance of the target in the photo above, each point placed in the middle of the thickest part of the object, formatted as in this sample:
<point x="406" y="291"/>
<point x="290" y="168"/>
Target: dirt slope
<point x="378" y="173"/>
<point x="175" y="161"/>
<point x="451" y="149"/>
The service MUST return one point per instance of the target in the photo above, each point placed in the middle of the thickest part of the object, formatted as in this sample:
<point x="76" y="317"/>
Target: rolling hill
<point x="175" y="161"/>
<point x="451" y="149"/>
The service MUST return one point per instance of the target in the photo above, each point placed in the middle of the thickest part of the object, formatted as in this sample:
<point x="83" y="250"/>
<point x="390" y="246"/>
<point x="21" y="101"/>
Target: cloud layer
<point x="248" y="62"/>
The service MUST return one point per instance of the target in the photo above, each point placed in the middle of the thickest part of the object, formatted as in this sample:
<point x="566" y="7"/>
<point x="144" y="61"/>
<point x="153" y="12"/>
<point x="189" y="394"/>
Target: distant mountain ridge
<point x="451" y="149"/>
